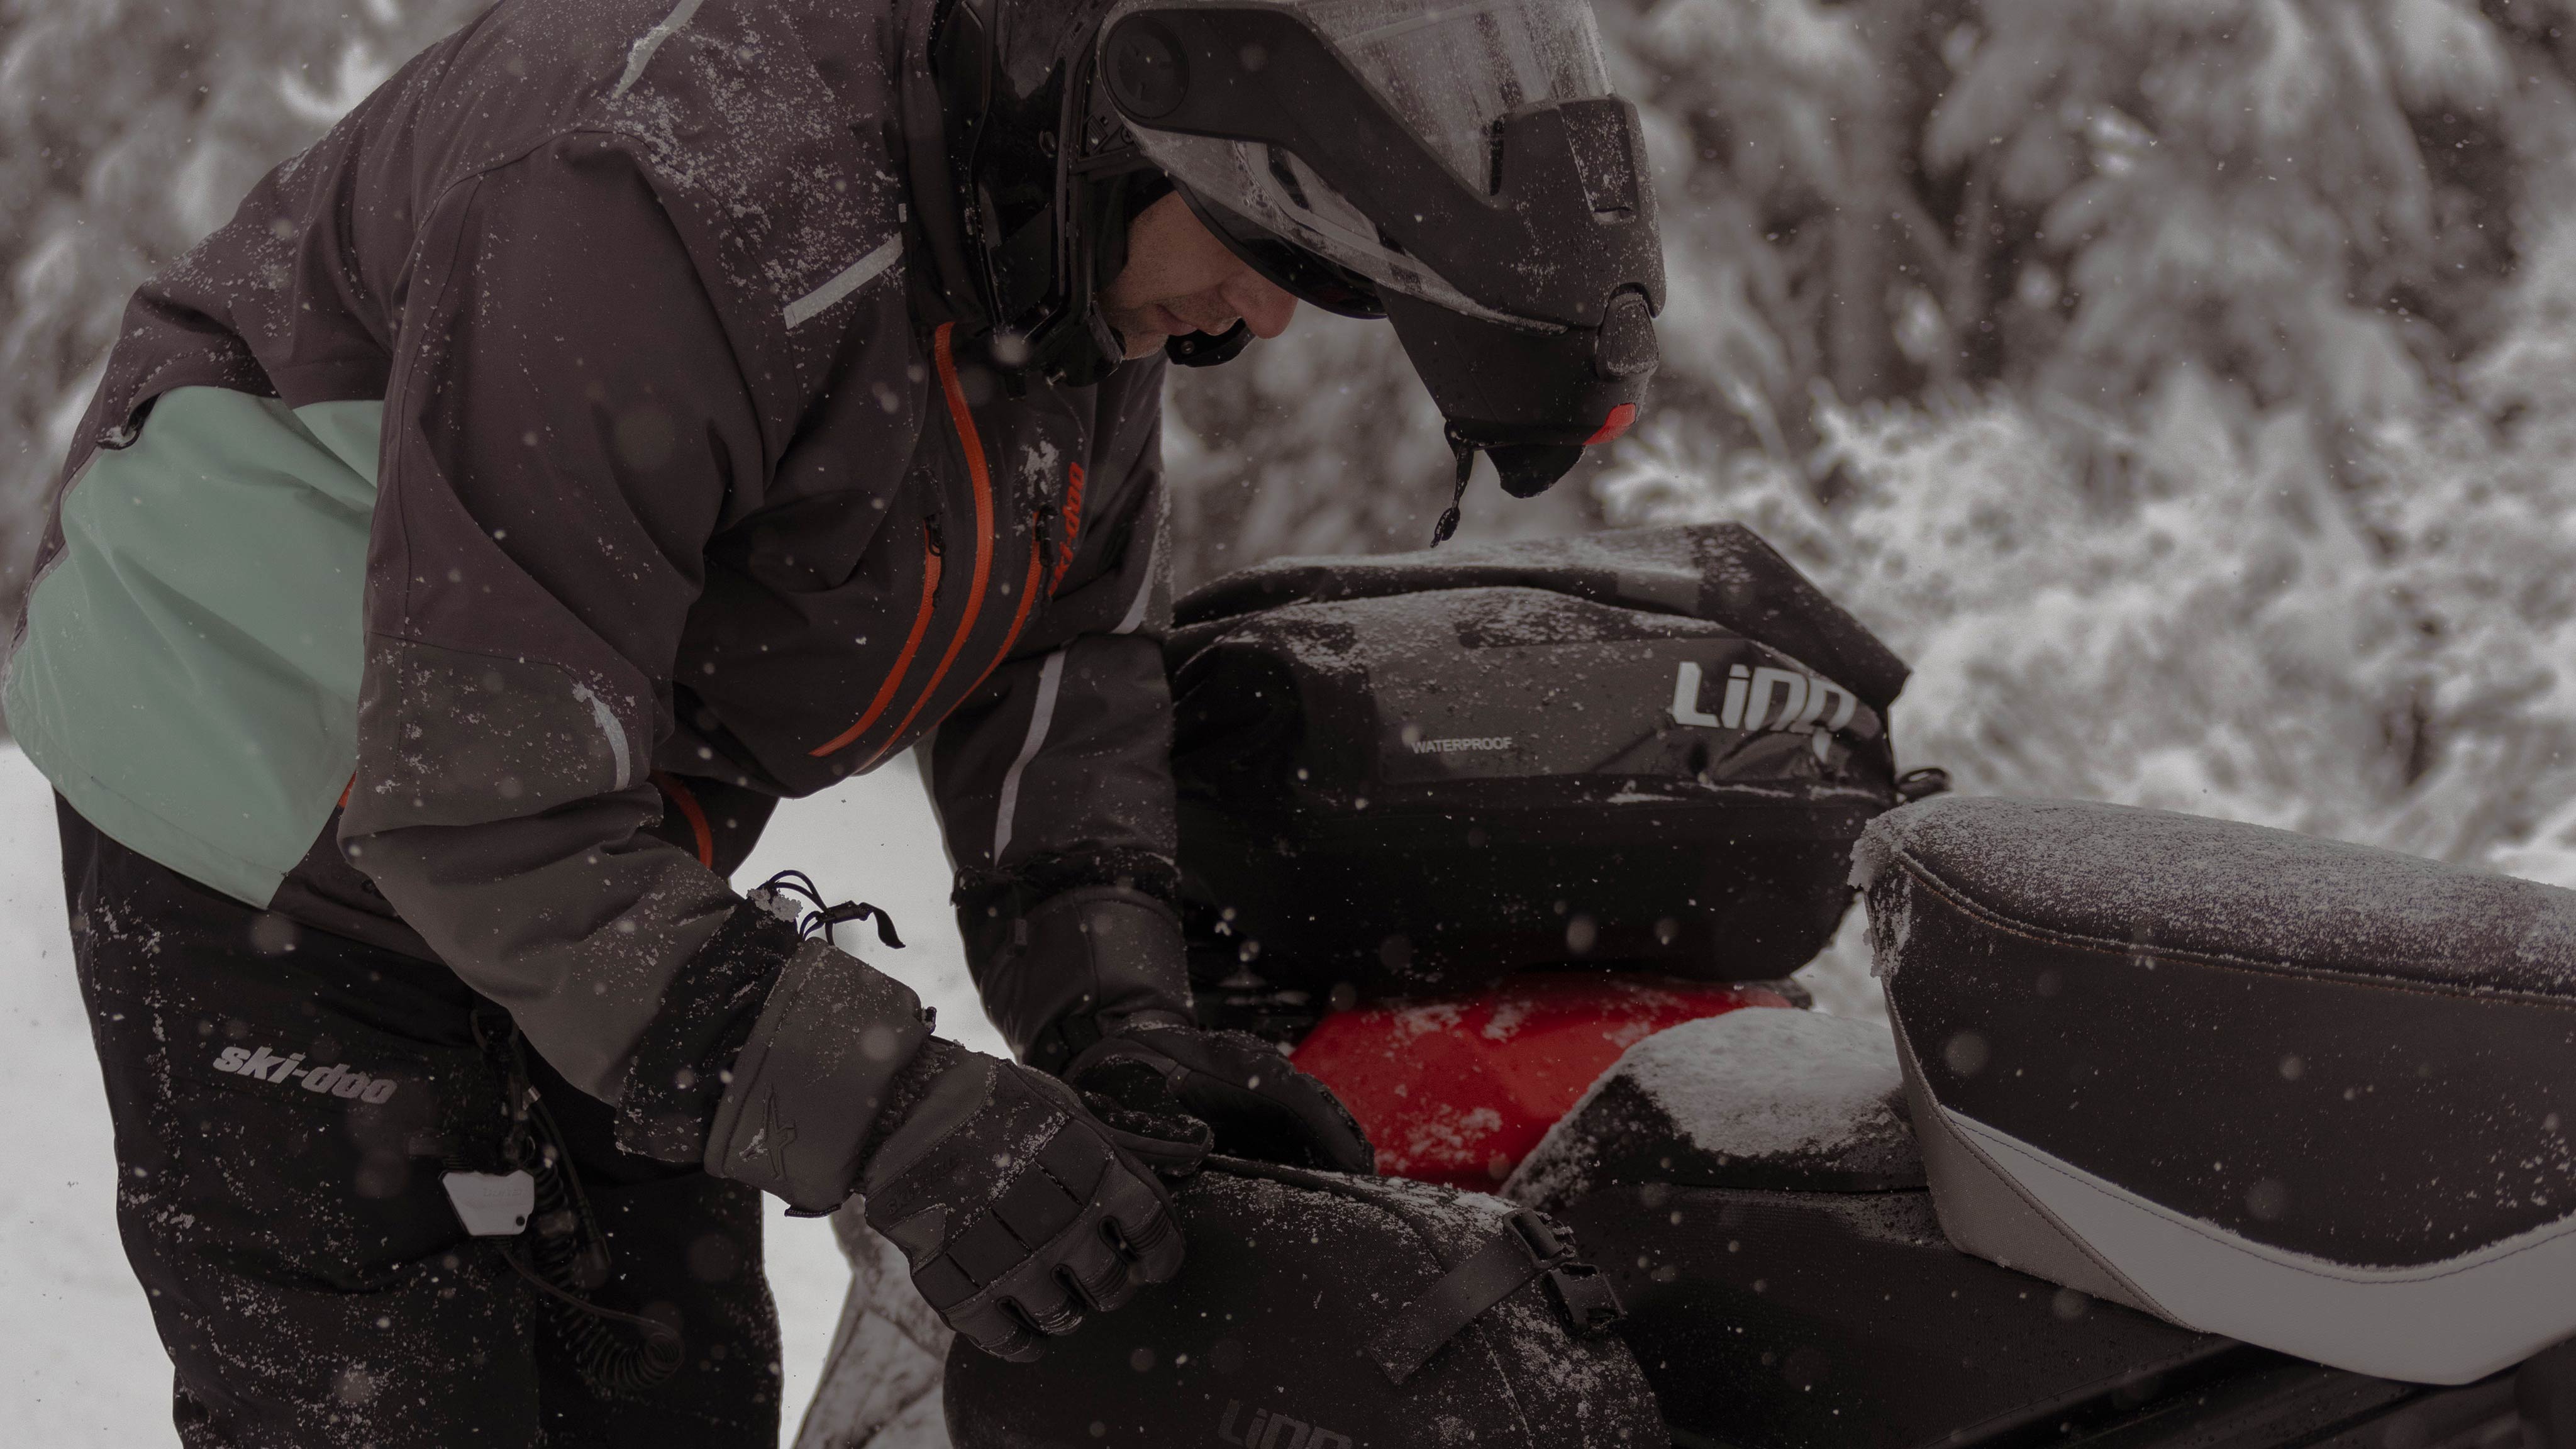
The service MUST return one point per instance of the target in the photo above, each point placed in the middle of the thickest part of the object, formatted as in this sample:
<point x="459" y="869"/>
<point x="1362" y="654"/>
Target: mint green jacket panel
<point x="189" y="674"/>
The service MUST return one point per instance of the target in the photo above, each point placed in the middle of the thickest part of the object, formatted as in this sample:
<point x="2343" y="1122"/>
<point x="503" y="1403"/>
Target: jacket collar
<point x="943" y="279"/>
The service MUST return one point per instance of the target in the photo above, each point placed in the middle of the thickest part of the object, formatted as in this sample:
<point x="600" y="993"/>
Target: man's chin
<point x="1136" y="339"/>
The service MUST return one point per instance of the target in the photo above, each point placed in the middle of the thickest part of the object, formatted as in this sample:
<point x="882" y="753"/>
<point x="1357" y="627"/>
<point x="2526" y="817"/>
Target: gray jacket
<point x="566" y="458"/>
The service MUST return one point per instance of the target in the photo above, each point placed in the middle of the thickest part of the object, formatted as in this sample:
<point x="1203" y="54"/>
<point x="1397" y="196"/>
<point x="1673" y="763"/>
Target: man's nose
<point x="1261" y="304"/>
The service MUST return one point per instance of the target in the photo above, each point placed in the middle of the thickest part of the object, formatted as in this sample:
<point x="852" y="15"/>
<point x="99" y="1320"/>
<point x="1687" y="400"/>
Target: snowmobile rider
<point x="633" y="414"/>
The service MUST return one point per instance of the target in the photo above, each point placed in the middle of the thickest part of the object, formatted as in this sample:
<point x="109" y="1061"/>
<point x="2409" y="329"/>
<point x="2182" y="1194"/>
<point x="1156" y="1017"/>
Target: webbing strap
<point x="1521" y="1252"/>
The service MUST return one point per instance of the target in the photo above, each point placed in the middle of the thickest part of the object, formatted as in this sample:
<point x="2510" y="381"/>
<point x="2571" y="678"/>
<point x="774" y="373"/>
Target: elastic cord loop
<point x="1466" y="452"/>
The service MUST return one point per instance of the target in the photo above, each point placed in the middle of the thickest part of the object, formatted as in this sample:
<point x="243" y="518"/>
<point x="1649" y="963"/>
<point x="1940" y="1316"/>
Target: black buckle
<point x="1578" y="1290"/>
<point x="1590" y="1305"/>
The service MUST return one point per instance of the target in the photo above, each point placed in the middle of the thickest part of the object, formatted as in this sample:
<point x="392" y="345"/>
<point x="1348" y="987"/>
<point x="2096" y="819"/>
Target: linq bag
<point x="1421" y="771"/>
<point x="1319" y="1311"/>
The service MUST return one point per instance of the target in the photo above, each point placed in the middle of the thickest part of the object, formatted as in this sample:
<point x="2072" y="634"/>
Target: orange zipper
<point x="931" y="561"/>
<point x="1072" y="527"/>
<point x="963" y="419"/>
<point x="1028" y="597"/>
<point x="977" y="471"/>
<point x="691" y="811"/>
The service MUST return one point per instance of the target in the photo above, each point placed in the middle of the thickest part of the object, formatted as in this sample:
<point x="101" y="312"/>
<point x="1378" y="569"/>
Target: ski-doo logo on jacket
<point x="1276" y="1431"/>
<point x="337" y="1080"/>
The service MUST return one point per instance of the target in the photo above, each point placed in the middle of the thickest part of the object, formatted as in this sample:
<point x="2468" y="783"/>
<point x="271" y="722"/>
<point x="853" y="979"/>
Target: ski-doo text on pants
<point x="312" y="1283"/>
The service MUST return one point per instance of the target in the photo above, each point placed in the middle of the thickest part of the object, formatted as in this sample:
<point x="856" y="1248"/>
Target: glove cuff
<point x="675" y="1076"/>
<point x="819" y="1068"/>
<point x="1086" y="964"/>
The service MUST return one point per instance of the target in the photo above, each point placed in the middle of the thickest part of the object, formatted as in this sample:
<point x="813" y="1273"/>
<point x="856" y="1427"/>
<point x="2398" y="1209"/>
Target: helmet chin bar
<point x="1533" y="401"/>
<point x="1564" y="243"/>
<point x="1509" y="392"/>
<point x="1198" y="349"/>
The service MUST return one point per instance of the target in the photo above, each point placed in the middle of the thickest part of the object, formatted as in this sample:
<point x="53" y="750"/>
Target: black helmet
<point x="1459" y="167"/>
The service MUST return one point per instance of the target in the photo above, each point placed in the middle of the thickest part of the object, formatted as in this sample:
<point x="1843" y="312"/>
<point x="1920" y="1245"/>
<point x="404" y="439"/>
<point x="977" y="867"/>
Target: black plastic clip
<point x="1590" y="1305"/>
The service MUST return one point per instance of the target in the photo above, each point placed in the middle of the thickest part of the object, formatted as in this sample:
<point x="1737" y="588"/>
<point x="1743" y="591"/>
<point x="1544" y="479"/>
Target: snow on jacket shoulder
<point x="565" y="422"/>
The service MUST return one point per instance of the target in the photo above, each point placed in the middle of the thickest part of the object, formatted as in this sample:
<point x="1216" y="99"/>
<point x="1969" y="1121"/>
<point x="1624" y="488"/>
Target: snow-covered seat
<point x="2304" y="1094"/>
<point x="1772" y="1100"/>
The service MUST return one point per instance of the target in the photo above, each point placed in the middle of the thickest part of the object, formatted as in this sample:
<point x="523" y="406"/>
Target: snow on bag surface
<point x="1301" y="1289"/>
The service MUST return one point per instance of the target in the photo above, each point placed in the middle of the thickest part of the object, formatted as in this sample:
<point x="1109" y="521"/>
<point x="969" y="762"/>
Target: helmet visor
<point x="1453" y="70"/>
<point x="1449" y="73"/>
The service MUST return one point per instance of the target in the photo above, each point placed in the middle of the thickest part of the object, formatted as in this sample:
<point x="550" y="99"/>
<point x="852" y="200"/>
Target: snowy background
<point x="2182" y="384"/>
<point x="2188" y="388"/>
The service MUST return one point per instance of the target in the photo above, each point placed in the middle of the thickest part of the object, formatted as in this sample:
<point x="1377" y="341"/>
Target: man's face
<point x="1179" y="280"/>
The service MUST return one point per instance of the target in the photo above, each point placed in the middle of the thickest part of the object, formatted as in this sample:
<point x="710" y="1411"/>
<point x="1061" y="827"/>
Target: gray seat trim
<point x="2444" y="1323"/>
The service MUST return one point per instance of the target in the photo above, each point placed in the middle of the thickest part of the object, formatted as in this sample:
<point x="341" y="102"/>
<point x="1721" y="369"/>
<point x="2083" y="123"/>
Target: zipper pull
<point x="930" y="538"/>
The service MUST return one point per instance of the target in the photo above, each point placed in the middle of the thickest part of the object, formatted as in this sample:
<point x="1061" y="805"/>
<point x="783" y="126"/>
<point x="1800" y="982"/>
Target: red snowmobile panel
<point x="1457" y="1089"/>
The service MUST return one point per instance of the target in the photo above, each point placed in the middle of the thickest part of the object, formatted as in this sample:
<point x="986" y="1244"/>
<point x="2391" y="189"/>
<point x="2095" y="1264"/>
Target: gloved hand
<point x="1017" y="1210"/>
<point x="1093" y="984"/>
<point x="1256" y="1103"/>
<point x="1015" y="1206"/>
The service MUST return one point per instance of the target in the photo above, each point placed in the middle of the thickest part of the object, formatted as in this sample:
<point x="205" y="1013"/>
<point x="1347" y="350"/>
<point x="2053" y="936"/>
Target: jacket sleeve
<point x="1054" y="782"/>
<point x="564" y="428"/>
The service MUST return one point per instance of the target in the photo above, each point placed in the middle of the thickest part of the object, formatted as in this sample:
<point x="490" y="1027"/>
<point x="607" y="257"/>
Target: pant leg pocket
<point x="312" y="1149"/>
<point x="281" y="1202"/>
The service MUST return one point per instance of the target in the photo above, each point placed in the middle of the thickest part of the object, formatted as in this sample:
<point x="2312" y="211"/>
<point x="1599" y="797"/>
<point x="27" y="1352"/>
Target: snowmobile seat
<point x="1751" y="1187"/>
<point x="1788" y="1101"/>
<point x="2308" y="1095"/>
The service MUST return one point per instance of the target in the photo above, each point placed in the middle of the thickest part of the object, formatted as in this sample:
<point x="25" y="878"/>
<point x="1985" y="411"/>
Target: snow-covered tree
<point x="129" y="129"/>
<point x="2181" y="382"/>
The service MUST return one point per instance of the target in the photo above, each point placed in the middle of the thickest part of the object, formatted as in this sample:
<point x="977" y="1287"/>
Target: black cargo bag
<point x="1319" y="1311"/>
<point x="1427" y="770"/>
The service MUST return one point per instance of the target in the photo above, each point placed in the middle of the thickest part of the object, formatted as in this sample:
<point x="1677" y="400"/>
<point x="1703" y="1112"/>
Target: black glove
<point x="1080" y="965"/>
<point x="1015" y="1207"/>
<point x="1257" y="1105"/>
<point x="1094" y="985"/>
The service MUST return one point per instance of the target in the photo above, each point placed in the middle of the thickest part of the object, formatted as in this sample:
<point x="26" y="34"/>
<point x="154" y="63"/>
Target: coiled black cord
<point x="617" y="1354"/>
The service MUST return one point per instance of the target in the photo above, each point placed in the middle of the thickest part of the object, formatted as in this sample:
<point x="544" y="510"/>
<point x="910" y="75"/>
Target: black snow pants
<point x="286" y="1103"/>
